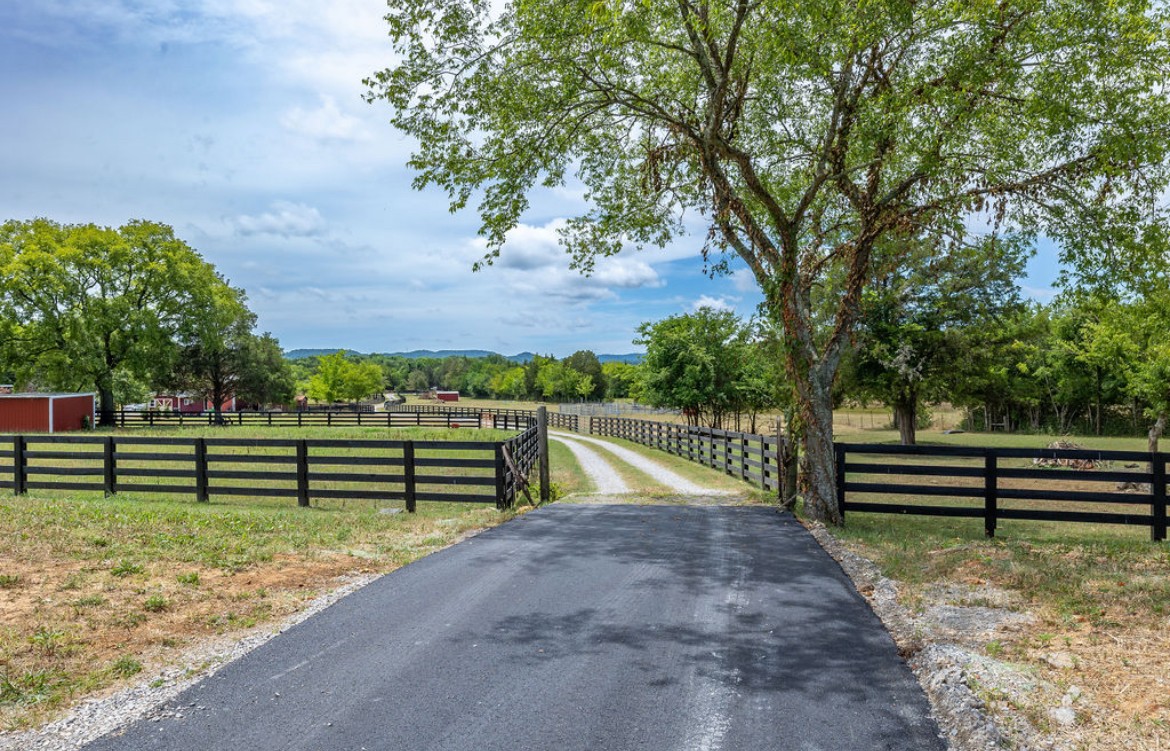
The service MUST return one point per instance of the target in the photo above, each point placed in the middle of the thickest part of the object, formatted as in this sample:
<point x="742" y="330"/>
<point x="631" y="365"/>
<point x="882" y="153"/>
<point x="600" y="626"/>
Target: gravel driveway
<point x="603" y="475"/>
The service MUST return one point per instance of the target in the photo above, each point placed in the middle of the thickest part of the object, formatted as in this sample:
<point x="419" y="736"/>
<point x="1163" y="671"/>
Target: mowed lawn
<point x="100" y="591"/>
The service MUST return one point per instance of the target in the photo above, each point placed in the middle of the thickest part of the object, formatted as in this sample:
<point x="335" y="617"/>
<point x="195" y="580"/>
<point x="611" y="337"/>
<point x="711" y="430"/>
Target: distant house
<point x="447" y="396"/>
<point x="6" y="388"/>
<point x="45" y="413"/>
<point x="186" y="403"/>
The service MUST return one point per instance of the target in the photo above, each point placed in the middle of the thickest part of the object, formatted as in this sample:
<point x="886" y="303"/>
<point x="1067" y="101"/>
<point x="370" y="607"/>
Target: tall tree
<point x="585" y="362"/>
<point x="339" y="377"/>
<point x="694" y="362"/>
<point x="86" y="302"/>
<point x="911" y="327"/>
<point x="807" y="132"/>
<point x="210" y="360"/>
<point x="220" y="356"/>
<point x="619" y="378"/>
<point x="265" y="376"/>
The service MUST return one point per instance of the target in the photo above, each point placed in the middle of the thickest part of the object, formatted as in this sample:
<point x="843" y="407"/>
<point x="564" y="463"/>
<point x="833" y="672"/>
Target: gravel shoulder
<point x="98" y="716"/>
<point x="945" y="644"/>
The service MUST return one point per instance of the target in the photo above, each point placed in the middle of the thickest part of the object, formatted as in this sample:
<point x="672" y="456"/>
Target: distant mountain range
<point x="523" y="357"/>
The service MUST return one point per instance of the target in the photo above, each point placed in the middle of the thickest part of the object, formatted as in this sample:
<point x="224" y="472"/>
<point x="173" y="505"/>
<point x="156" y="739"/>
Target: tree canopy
<point x="808" y="134"/>
<point x="83" y="303"/>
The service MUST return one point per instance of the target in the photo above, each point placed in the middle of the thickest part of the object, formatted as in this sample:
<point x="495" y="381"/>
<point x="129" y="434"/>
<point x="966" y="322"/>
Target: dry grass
<point x="96" y="590"/>
<point x="1100" y="604"/>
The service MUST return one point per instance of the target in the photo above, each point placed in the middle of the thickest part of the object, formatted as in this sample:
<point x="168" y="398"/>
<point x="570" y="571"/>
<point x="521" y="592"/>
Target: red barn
<point x="447" y="396"/>
<point x="45" y="413"/>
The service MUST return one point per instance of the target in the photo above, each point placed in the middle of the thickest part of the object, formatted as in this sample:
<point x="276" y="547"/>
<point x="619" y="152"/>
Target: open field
<point x="97" y="590"/>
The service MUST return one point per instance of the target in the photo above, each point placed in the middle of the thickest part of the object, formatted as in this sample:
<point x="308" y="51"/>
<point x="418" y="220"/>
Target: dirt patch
<point x="71" y="627"/>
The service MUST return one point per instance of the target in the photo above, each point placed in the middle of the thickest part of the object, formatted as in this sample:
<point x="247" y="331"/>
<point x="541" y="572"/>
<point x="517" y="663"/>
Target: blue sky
<point x="241" y="124"/>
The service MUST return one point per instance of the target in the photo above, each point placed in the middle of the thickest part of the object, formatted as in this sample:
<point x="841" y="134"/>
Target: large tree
<point x="805" y="132"/>
<point x="697" y="363"/>
<point x="85" y="303"/>
<point x="912" y="325"/>
<point x="220" y="356"/>
<point x="339" y="377"/>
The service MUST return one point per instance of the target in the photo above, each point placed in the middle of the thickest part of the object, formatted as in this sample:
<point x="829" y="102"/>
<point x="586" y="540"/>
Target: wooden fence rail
<point x="989" y="483"/>
<point x="994" y="484"/>
<point x="555" y="419"/>
<point x="304" y="469"/>
<point x="343" y="418"/>
<point x="421" y="416"/>
<point x="750" y="457"/>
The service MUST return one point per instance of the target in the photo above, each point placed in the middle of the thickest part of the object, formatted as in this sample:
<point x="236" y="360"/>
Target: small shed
<point x="45" y="413"/>
<point x="447" y="396"/>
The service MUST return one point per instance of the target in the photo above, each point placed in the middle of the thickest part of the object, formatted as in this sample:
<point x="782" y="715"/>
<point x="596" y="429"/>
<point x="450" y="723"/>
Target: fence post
<point x="201" y="493"/>
<point x="1158" y="502"/>
<point x="110" y="467"/>
<point x="839" y="450"/>
<point x="408" y="475"/>
<point x="542" y="451"/>
<point x="19" y="465"/>
<point x="302" y="472"/>
<point x="990" y="493"/>
<point x="501" y="484"/>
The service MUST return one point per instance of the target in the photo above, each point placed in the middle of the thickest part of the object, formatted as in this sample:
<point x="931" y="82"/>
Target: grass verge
<point x="1099" y="600"/>
<point x="97" y="590"/>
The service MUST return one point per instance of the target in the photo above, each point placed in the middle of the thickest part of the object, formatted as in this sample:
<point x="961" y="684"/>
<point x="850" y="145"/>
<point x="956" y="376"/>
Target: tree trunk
<point x="105" y="389"/>
<point x="1155" y="434"/>
<point x="818" y="481"/>
<point x="906" y="417"/>
<point x="789" y="459"/>
<point x="1097" y="372"/>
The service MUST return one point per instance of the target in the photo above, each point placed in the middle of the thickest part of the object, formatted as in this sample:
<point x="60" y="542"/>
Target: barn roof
<point x="41" y="395"/>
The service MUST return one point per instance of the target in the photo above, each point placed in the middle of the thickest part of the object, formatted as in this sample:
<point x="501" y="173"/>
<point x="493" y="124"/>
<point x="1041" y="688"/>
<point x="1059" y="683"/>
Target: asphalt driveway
<point x="666" y="628"/>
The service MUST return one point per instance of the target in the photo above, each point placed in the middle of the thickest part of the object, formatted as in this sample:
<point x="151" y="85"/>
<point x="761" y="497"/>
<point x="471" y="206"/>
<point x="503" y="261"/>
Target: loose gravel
<point x="943" y="645"/>
<point x="605" y="478"/>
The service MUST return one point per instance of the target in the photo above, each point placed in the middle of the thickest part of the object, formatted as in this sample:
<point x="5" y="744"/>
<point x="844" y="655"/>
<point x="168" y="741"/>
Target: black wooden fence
<point x="750" y="457"/>
<point x="304" y="469"/>
<point x="974" y="482"/>
<point x="1005" y="483"/>
<point x="455" y="418"/>
<point x="555" y="419"/>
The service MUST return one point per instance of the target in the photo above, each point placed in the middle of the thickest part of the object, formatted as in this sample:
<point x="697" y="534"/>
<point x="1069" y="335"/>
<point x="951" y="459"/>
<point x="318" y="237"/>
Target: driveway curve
<point x="575" y="628"/>
<point x="656" y="471"/>
<point x="606" y="480"/>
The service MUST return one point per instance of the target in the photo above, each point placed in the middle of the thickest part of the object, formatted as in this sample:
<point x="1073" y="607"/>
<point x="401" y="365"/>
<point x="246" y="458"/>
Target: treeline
<point x="580" y="376"/>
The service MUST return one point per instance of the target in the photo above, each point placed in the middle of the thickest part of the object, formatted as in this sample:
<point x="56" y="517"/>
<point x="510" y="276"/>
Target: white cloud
<point x="715" y="303"/>
<point x="284" y="219"/>
<point x="532" y="260"/>
<point x="326" y="122"/>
